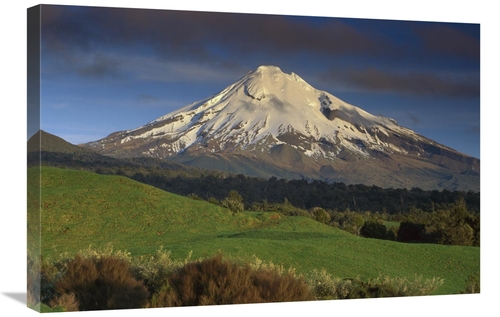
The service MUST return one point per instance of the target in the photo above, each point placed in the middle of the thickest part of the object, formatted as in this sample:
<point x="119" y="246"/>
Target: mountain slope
<point x="270" y="123"/>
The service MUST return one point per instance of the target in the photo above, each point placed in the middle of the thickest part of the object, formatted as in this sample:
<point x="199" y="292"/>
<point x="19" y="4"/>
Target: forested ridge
<point x="205" y="184"/>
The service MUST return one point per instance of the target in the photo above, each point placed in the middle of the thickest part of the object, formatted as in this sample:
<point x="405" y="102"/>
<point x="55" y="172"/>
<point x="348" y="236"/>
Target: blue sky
<point x="110" y="69"/>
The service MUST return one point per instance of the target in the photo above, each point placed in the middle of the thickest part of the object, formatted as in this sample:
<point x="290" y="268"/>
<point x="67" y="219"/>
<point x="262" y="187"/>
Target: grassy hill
<point x="80" y="208"/>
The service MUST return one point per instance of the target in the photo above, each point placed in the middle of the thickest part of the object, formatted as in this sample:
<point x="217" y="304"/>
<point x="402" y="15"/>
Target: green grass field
<point x="79" y="209"/>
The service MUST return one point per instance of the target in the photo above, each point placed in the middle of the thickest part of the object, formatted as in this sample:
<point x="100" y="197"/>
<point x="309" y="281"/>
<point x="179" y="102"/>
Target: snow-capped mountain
<point x="270" y="123"/>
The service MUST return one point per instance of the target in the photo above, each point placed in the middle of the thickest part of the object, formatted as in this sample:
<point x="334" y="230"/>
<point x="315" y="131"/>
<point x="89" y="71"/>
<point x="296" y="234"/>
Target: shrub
<point x="211" y="282"/>
<point x="67" y="301"/>
<point x="385" y="286"/>
<point x="258" y="265"/>
<point x="281" y="288"/>
<point x="452" y="225"/>
<point x="411" y="232"/>
<point x="164" y="297"/>
<point x="348" y="220"/>
<point x="215" y="281"/>
<point x="461" y="234"/>
<point x="321" y="215"/>
<point x="155" y="270"/>
<point x="392" y="233"/>
<point x="324" y="286"/>
<point x="366" y="290"/>
<point x="233" y="202"/>
<point x="374" y="229"/>
<point x="287" y="209"/>
<point x="213" y="201"/>
<point x="104" y="282"/>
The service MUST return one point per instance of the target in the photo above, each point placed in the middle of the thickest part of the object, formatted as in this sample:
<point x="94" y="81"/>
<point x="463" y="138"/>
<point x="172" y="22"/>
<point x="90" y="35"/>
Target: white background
<point x="13" y="154"/>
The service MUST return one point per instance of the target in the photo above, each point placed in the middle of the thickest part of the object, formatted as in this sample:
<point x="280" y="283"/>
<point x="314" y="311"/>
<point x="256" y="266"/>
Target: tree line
<point x="309" y="194"/>
<point x="449" y="224"/>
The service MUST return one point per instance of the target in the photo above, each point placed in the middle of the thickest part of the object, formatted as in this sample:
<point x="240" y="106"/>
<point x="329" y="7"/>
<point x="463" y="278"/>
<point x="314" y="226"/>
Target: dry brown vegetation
<point x="215" y="281"/>
<point x="113" y="280"/>
<point x="101" y="283"/>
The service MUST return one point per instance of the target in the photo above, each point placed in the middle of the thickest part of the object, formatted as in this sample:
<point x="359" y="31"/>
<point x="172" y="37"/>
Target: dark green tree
<point x="373" y="229"/>
<point x="410" y="231"/>
<point x="233" y="202"/>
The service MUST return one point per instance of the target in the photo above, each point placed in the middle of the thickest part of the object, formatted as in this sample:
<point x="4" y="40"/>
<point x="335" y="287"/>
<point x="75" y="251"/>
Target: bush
<point x="385" y="286"/>
<point x="366" y="290"/>
<point x="210" y="282"/>
<point x="258" y="265"/>
<point x="373" y="229"/>
<point x="411" y="232"/>
<point x="325" y="287"/>
<point x="155" y="270"/>
<point x="348" y="220"/>
<point x="233" y="202"/>
<point x="217" y="282"/>
<point x="281" y="288"/>
<point x="321" y="215"/>
<point x="101" y="283"/>
<point x="66" y="301"/>
<point x="213" y="201"/>
<point x="162" y="298"/>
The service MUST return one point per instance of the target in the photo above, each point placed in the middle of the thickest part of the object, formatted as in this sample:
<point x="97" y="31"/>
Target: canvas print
<point x="188" y="158"/>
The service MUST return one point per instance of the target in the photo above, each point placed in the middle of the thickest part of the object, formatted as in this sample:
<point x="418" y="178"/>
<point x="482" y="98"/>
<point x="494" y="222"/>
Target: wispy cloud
<point x="100" y="66"/>
<point x="150" y="101"/>
<point x="147" y="99"/>
<point x="154" y="69"/>
<point x="407" y="82"/>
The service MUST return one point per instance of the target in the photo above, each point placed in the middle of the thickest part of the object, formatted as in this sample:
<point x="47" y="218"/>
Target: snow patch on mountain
<point x="267" y="105"/>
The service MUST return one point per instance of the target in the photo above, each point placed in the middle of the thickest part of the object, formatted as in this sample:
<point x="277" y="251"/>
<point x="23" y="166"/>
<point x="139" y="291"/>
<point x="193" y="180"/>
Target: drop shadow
<point x="18" y="297"/>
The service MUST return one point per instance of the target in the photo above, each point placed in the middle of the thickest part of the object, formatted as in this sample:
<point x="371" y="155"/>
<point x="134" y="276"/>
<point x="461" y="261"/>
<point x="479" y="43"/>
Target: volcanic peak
<point x="267" y="114"/>
<point x="270" y="80"/>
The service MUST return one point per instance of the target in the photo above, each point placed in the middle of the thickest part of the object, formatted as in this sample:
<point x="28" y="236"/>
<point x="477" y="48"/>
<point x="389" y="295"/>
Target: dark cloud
<point x="196" y="34"/>
<point x="230" y="40"/>
<point x="207" y="35"/>
<point x="450" y="40"/>
<point x="409" y="82"/>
